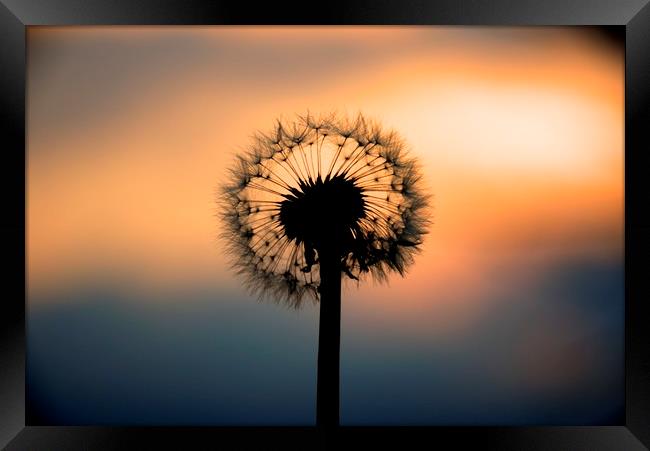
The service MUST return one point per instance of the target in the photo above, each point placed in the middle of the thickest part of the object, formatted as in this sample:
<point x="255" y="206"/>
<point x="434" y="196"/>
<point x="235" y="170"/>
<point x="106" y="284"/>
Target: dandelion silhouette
<point x="313" y="200"/>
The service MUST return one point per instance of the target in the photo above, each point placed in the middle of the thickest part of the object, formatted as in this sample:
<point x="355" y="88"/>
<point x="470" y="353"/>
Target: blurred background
<point x="513" y="313"/>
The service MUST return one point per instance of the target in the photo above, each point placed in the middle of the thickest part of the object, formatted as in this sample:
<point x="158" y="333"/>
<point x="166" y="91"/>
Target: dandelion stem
<point x="329" y="340"/>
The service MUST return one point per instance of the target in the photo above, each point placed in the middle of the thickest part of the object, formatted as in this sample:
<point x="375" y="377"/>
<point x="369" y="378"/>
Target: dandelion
<point x="316" y="199"/>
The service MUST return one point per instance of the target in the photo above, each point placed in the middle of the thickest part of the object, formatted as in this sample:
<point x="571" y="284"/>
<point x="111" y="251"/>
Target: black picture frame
<point x="629" y="18"/>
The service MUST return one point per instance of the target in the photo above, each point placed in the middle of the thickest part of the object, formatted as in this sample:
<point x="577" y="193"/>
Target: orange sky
<point x="130" y="130"/>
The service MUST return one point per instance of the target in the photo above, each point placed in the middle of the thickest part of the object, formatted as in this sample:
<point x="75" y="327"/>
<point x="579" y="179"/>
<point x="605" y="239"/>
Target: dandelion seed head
<point x="322" y="184"/>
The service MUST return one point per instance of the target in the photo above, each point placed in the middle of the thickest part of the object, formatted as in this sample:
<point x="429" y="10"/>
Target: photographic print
<point x="325" y="225"/>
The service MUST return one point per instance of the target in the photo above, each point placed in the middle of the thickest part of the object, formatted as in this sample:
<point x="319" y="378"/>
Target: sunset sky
<point x="512" y="314"/>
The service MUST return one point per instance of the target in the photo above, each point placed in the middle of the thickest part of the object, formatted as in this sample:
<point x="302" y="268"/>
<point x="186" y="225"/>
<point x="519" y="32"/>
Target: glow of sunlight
<point x="522" y="149"/>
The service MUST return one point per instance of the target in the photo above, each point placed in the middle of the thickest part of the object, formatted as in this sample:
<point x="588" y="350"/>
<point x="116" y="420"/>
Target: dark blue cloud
<point x="102" y="357"/>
